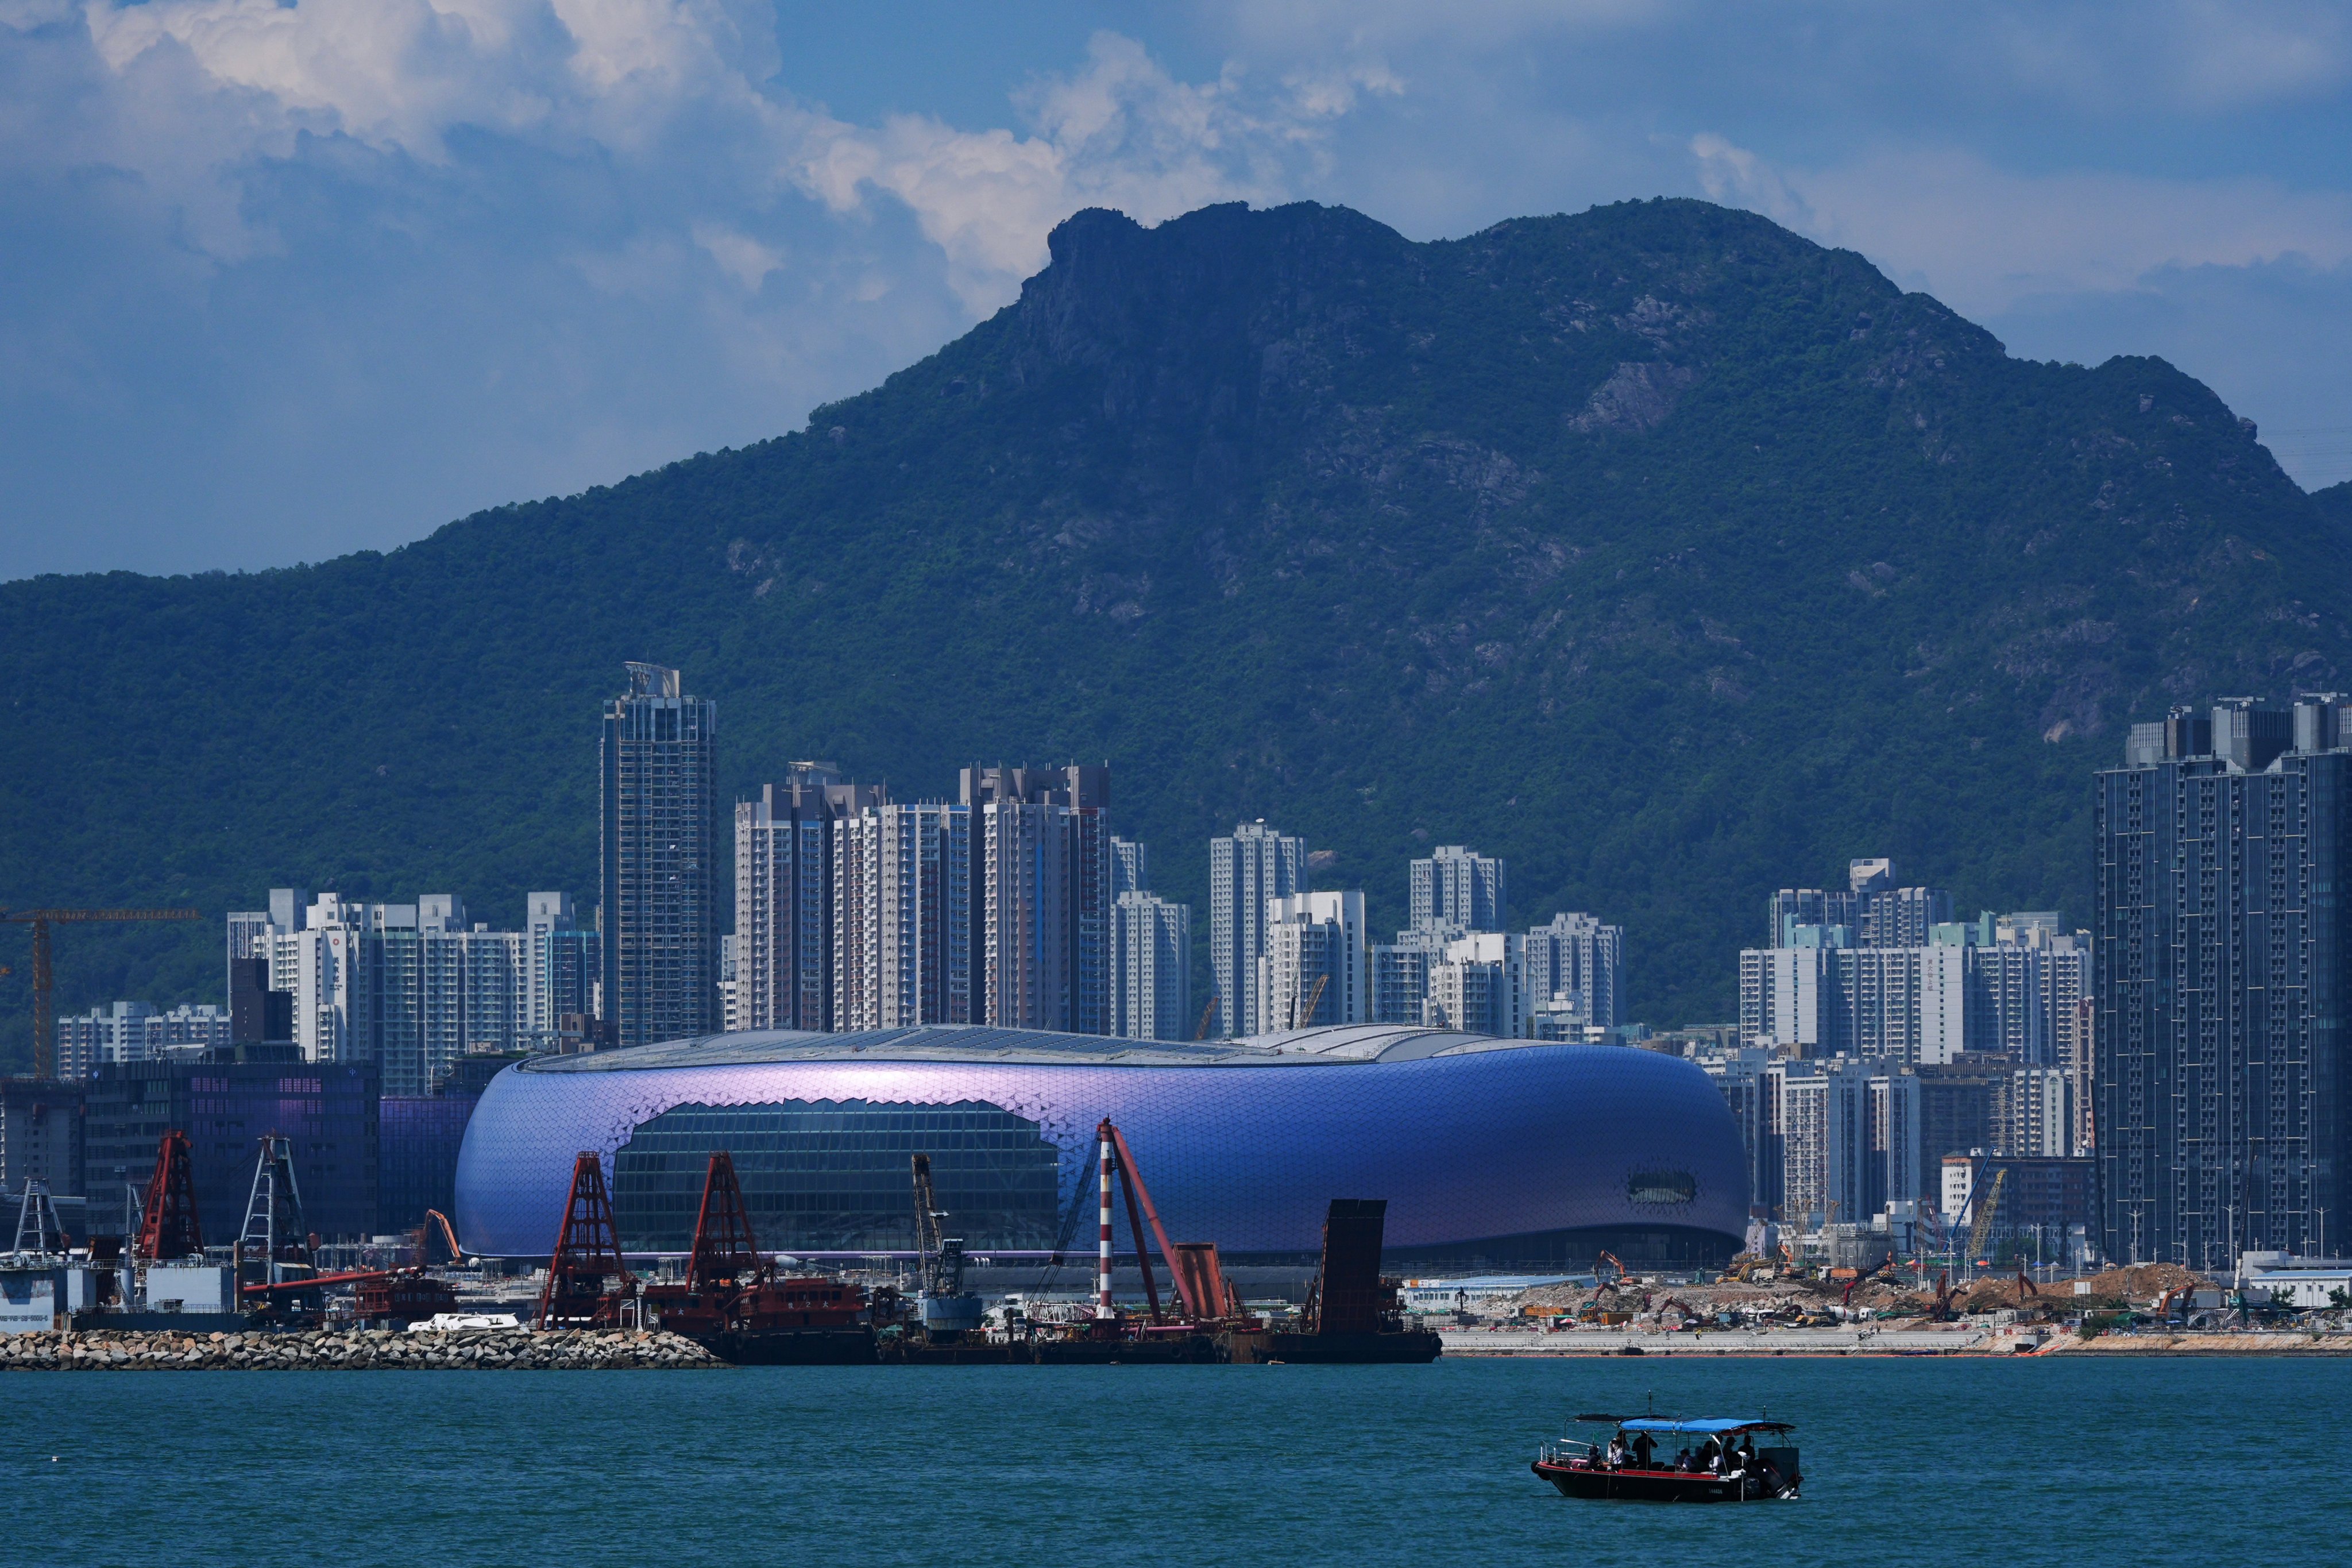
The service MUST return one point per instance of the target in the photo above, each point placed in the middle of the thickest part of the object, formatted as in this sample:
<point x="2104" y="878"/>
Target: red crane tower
<point x="170" y="1228"/>
<point x="587" y="1251"/>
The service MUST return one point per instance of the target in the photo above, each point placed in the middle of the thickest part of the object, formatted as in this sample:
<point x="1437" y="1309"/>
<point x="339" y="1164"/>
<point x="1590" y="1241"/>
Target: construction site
<point x="182" y="1300"/>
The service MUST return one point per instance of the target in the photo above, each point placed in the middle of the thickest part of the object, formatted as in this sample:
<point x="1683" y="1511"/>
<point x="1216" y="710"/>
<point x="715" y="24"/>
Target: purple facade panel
<point x="1494" y="1144"/>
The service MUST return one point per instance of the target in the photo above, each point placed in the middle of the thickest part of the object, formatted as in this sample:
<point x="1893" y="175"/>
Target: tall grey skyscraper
<point x="783" y="896"/>
<point x="1455" y="890"/>
<point x="1042" y="878"/>
<point x="2219" y="967"/>
<point x="902" y="917"/>
<point x="1152" y="968"/>
<point x="659" y="860"/>
<point x="1576" y="957"/>
<point x="1245" y="871"/>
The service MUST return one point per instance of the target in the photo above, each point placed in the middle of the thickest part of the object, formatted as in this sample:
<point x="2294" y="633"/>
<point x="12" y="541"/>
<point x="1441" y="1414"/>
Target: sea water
<point x="2123" y="1460"/>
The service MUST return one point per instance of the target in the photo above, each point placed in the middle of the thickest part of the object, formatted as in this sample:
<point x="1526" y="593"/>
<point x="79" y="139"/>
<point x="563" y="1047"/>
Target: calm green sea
<point x="2126" y="1462"/>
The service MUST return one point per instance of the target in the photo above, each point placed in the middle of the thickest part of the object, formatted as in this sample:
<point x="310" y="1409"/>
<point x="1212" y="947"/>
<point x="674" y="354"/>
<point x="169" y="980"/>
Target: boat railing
<point x="1568" y="1451"/>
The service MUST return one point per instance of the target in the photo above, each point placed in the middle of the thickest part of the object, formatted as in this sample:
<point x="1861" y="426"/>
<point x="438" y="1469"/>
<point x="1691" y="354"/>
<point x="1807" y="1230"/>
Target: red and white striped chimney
<point x="1102" y="1271"/>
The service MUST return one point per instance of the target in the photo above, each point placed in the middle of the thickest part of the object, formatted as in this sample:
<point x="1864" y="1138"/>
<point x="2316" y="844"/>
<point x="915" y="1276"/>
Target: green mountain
<point x="1663" y="552"/>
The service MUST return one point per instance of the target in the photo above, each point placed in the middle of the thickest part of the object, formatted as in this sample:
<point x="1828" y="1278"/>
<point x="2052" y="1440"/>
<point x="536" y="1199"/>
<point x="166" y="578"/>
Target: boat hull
<point x="1660" y="1486"/>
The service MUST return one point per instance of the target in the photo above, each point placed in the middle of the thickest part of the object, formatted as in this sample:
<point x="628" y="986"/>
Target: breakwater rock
<point x="331" y="1349"/>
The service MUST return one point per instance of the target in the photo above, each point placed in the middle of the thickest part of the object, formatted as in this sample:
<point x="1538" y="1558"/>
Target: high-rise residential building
<point x="474" y="986"/>
<point x="1793" y="906"/>
<point x="659" y="879"/>
<point x="1577" y="959"/>
<point x="2220" y="975"/>
<point x="1152" y="968"/>
<point x="2026" y="988"/>
<point x="1851" y="1141"/>
<point x="137" y="1031"/>
<point x="1130" y="868"/>
<point x="1399" y="972"/>
<point x="1479" y="985"/>
<point x="1873" y="912"/>
<point x="2009" y="985"/>
<point x="562" y="969"/>
<point x="783" y="896"/>
<point x="902" y="917"/>
<point x="1752" y="1091"/>
<point x="1041" y="878"/>
<point x="1902" y="917"/>
<point x="410" y="989"/>
<point x="1316" y="968"/>
<point x="2037" y="1114"/>
<point x="248" y="930"/>
<point x="1455" y="890"/>
<point x="1256" y="865"/>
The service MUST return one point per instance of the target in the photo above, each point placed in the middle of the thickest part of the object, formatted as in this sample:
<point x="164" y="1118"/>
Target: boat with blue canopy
<point x="1675" y="1459"/>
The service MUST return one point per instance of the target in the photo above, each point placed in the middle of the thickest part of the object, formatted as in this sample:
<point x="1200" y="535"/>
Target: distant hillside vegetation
<point x="1656" y="549"/>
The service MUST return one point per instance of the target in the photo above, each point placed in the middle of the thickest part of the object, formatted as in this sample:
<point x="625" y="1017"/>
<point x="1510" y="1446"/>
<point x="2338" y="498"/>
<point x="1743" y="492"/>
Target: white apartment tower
<point x="902" y="920"/>
<point x="1152" y="968"/>
<point x="1042" y="875"/>
<point x="1455" y="890"/>
<point x="783" y="897"/>
<point x="1256" y="865"/>
<point x="1317" y="966"/>
<point x="1578" y="960"/>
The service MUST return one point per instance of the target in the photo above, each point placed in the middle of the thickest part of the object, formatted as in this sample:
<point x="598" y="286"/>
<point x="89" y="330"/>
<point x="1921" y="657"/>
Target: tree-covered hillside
<point x="1656" y="549"/>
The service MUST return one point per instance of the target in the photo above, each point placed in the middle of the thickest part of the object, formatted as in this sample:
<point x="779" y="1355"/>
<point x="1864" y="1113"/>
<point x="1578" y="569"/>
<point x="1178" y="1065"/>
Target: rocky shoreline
<point x="337" y="1349"/>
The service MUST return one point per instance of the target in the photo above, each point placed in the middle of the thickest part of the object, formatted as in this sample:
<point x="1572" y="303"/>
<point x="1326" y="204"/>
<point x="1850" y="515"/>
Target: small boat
<point x="1658" y="1459"/>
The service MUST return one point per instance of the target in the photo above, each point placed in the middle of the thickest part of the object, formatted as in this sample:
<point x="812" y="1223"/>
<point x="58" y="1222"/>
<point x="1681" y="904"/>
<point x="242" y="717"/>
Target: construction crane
<point x="44" y="981"/>
<point x="1207" y="1013"/>
<point x="1302" y="1014"/>
<point x="1982" y="1230"/>
<point x="926" y="1223"/>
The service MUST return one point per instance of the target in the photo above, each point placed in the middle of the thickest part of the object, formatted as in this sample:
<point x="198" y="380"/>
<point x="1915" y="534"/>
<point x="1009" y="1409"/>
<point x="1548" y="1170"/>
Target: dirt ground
<point x="1795" y="1300"/>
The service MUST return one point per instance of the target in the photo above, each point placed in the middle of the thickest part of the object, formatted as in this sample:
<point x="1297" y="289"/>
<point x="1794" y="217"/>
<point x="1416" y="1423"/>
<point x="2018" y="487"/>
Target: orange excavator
<point x="435" y="1220"/>
<point x="1614" y="1261"/>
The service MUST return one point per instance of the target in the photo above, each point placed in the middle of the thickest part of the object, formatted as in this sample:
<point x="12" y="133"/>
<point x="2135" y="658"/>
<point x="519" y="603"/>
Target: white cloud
<point x="1983" y="239"/>
<point x="739" y="256"/>
<point x="205" y="92"/>
<point x="1119" y="132"/>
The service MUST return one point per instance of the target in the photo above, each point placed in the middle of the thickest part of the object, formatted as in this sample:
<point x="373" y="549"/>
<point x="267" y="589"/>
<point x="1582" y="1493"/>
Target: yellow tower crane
<point x="44" y="981"/>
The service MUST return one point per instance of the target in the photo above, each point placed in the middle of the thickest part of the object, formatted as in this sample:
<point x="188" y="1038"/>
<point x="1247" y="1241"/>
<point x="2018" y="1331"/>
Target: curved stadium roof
<point x="1493" y="1153"/>
<point x="1323" y="1046"/>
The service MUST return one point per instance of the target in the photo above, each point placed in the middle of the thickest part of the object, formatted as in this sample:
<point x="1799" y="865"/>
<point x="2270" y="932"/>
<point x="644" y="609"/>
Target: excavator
<point x="437" y="1222"/>
<point x="1614" y="1261"/>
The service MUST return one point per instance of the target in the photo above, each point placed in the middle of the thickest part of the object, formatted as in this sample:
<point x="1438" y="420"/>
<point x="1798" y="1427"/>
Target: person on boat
<point x="1643" y="1446"/>
<point x="1710" y="1458"/>
<point x="1748" y="1452"/>
<point x="1615" y="1458"/>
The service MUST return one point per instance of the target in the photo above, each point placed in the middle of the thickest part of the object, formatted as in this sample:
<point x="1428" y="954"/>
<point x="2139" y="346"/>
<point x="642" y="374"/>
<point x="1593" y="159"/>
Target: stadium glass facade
<point x="1491" y="1153"/>
<point x="835" y="1177"/>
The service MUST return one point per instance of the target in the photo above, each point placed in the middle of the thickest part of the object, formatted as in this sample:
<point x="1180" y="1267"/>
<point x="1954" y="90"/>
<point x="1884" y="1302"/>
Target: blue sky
<point x="281" y="281"/>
